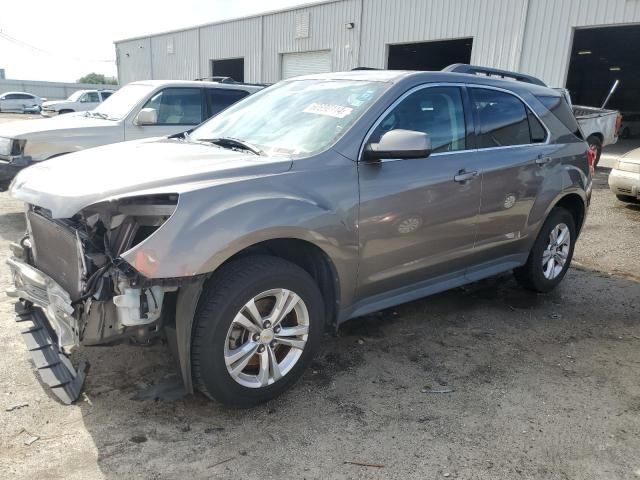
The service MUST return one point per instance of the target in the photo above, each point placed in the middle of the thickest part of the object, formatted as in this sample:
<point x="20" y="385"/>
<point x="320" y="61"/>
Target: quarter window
<point x="437" y="111"/>
<point x="503" y="120"/>
<point x="177" y="106"/>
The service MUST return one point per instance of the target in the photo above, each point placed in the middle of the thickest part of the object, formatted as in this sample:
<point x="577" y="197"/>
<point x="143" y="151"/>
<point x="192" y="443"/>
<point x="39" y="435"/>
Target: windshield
<point x="294" y="118"/>
<point x="119" y="104"/>
<point x="75" y="96"/>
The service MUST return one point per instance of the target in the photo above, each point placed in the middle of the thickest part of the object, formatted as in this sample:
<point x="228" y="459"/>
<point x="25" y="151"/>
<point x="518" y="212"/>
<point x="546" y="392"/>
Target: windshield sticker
<point x="337" y="111"/>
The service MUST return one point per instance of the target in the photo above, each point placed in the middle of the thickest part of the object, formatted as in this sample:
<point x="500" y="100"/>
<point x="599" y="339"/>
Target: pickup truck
<point x="600" y="126"/>
<point x="79" y="101"/>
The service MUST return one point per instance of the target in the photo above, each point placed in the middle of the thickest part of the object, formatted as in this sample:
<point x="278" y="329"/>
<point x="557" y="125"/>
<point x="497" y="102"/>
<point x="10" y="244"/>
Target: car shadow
<point x="495" y="349"/>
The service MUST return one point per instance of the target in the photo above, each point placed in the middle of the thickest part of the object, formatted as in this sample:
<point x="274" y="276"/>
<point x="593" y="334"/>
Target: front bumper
<point x="43" y="303"/>
<point x="48" y="113"/>
<point x="625" y="183"/>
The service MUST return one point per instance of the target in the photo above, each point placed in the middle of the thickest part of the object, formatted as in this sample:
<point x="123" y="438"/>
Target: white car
<point x="624" y="179"/>
<point x="144" y="109"/>
<point x="21" y="102"/>
<point x="80" y="101"/>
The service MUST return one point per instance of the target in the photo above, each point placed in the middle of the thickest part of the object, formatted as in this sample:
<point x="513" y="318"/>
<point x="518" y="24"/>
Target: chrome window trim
<point x="459" y="85"/>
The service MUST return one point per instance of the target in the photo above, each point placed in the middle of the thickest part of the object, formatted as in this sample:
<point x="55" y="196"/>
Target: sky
<point x="63" y="40"/>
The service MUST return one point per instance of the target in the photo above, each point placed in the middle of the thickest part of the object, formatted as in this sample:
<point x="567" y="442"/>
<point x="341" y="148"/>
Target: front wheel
<point x="627" y="199"/>
<point x="551" y="254"/>
<point x="257" y="326"/>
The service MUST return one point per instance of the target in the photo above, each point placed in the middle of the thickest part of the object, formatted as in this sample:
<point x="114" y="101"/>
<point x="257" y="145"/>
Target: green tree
<point x="98" y="78"/>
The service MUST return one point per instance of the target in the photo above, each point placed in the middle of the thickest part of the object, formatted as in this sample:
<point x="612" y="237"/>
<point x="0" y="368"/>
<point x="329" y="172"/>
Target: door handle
<point x="464" y="176"/>
<point x="543" y="160"/>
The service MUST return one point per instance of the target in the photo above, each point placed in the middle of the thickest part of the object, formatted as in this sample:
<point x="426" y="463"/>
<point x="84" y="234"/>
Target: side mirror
<point x="146" y="116"/>
<point x="397" y="144"/>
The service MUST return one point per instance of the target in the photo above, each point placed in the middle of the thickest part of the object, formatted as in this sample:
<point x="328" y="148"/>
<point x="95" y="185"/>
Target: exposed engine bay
<point x="110" y="300"/>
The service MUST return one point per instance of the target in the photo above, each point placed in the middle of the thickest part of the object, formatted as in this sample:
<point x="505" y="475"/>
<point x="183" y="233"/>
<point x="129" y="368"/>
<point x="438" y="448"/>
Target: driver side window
<point x="437" y="111"/>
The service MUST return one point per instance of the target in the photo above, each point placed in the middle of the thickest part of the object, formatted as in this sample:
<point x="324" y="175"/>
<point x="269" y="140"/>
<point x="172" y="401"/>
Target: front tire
<point x="627" y="199"/>
<point x="257" y="327"/>
<point x="551" y="254"/>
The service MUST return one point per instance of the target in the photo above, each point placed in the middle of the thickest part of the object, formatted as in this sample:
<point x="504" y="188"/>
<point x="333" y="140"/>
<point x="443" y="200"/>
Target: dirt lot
<point x="544" y="387"/>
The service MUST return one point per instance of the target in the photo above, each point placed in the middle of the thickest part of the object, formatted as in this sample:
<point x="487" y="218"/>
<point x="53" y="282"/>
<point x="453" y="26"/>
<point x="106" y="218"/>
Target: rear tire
<point x="221" y="328"/>
<point x="596" y="143"/>
<point x="535" y="274"/>
<point x="62" y="112"/>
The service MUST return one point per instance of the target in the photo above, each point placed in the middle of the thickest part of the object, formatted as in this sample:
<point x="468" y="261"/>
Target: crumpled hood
<point x="25" y="128"/>
<point x="67" y="184"/>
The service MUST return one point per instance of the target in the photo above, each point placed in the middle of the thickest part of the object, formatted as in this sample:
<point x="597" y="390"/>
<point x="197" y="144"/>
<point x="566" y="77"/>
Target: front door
<point x="178" y="110"/>
<point x="418" y="216"/>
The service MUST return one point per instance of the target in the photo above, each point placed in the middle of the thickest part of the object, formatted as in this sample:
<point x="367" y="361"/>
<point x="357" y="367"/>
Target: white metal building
<point x="555" y="40"/>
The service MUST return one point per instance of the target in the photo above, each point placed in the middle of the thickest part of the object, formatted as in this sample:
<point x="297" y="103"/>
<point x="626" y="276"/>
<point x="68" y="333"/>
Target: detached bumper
<point x="46" y="309"/>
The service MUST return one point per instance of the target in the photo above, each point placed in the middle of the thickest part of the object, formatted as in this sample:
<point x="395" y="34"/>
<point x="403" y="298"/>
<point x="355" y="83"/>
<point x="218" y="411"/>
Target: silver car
<point x="20" y="102"/>
<point x="314" y="201"/>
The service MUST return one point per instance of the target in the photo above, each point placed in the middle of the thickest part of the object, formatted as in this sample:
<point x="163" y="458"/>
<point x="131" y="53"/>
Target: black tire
<point x="627" y="199"/>
<point x="62" y="112"/>
<point x="531" y="275"/>
<point x="223" y="296"/>
<point x="595" y="142"/>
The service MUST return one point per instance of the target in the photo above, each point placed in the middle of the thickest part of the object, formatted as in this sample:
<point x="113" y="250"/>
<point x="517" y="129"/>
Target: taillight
<point x="592" y="154"/>
<point x="618" y="123"/>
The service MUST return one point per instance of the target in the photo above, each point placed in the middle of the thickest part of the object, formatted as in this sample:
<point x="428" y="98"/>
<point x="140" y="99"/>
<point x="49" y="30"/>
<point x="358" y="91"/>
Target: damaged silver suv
<point x="317" y="200"/>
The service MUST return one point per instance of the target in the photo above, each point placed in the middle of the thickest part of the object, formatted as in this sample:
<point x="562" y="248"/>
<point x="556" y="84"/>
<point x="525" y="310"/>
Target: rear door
<point x="418" y="216"/>
<point x="515" y="157"/>
<point x="178" y="109"/>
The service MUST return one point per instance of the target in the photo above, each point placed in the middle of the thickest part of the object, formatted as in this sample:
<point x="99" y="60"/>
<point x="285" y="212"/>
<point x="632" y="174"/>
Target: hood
<point x="24" y="128"/>
<point x="53" y="103"/>
<point x="67" y="184"/>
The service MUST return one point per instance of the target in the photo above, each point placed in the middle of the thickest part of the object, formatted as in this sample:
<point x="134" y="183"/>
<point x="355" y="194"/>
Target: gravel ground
<point x="542" y="386"/>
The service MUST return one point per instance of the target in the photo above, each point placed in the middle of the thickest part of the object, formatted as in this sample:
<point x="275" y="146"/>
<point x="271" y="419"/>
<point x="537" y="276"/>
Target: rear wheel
<point x="258" y="324"/>
<point x="551" y="254"/>
<point x="595" y="143"/>
<point x="62" y="112"/>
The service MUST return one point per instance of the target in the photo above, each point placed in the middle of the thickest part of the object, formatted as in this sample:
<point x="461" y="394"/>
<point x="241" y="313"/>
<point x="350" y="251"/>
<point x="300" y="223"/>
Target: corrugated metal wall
<point x="327" y="31"/>
<point x="240" y="38"/>
<point x="533" y="36"/>
<point x="175" y="55"/>
<point x="495" y="26"/>
<point x="134" y="60"/>
<point x="549" y="32"/>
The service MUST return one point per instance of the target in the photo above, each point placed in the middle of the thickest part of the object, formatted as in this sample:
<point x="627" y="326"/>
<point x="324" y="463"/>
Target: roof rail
<point x="493" y="72"/>
<point x="231" y="81"/>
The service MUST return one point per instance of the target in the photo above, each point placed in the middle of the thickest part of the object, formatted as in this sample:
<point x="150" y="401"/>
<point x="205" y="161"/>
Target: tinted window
<point x="177" y="106"/>
<point x="563" y="112"/>
<point x="220" y="99"/>
<point x="91" y="97"/>
<point x="24" y="96"/>
<point x="504" y="120"/>
<point x="437" y="111"/>
<point x="12" y="96"/>
<point x="106" y="95"/>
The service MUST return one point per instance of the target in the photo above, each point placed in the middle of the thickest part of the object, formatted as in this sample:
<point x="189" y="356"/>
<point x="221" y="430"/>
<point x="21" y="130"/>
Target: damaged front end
<point x="72" y="284"/>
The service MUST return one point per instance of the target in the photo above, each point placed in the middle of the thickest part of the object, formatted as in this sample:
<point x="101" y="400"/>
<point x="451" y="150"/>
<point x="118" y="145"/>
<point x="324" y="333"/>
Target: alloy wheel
<point x="556" y="253"/>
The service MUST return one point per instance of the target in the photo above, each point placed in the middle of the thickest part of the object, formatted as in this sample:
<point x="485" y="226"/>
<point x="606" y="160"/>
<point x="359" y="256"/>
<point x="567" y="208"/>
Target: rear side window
<point x="106" y="95"/>
<point x="12" y="96"/>
<point x="219" y="99"/>
<point x="504" y="120"/>
<point x="563" y="112"/>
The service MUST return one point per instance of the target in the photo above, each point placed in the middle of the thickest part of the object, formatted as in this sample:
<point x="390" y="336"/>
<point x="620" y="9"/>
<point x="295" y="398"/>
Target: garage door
<point x="305" y="63"/>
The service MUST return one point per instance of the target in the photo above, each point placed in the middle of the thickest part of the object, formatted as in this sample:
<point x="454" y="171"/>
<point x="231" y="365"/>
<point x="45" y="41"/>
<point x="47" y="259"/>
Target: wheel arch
<point x="576" y="206"/>
<point x="302" y="252"/>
